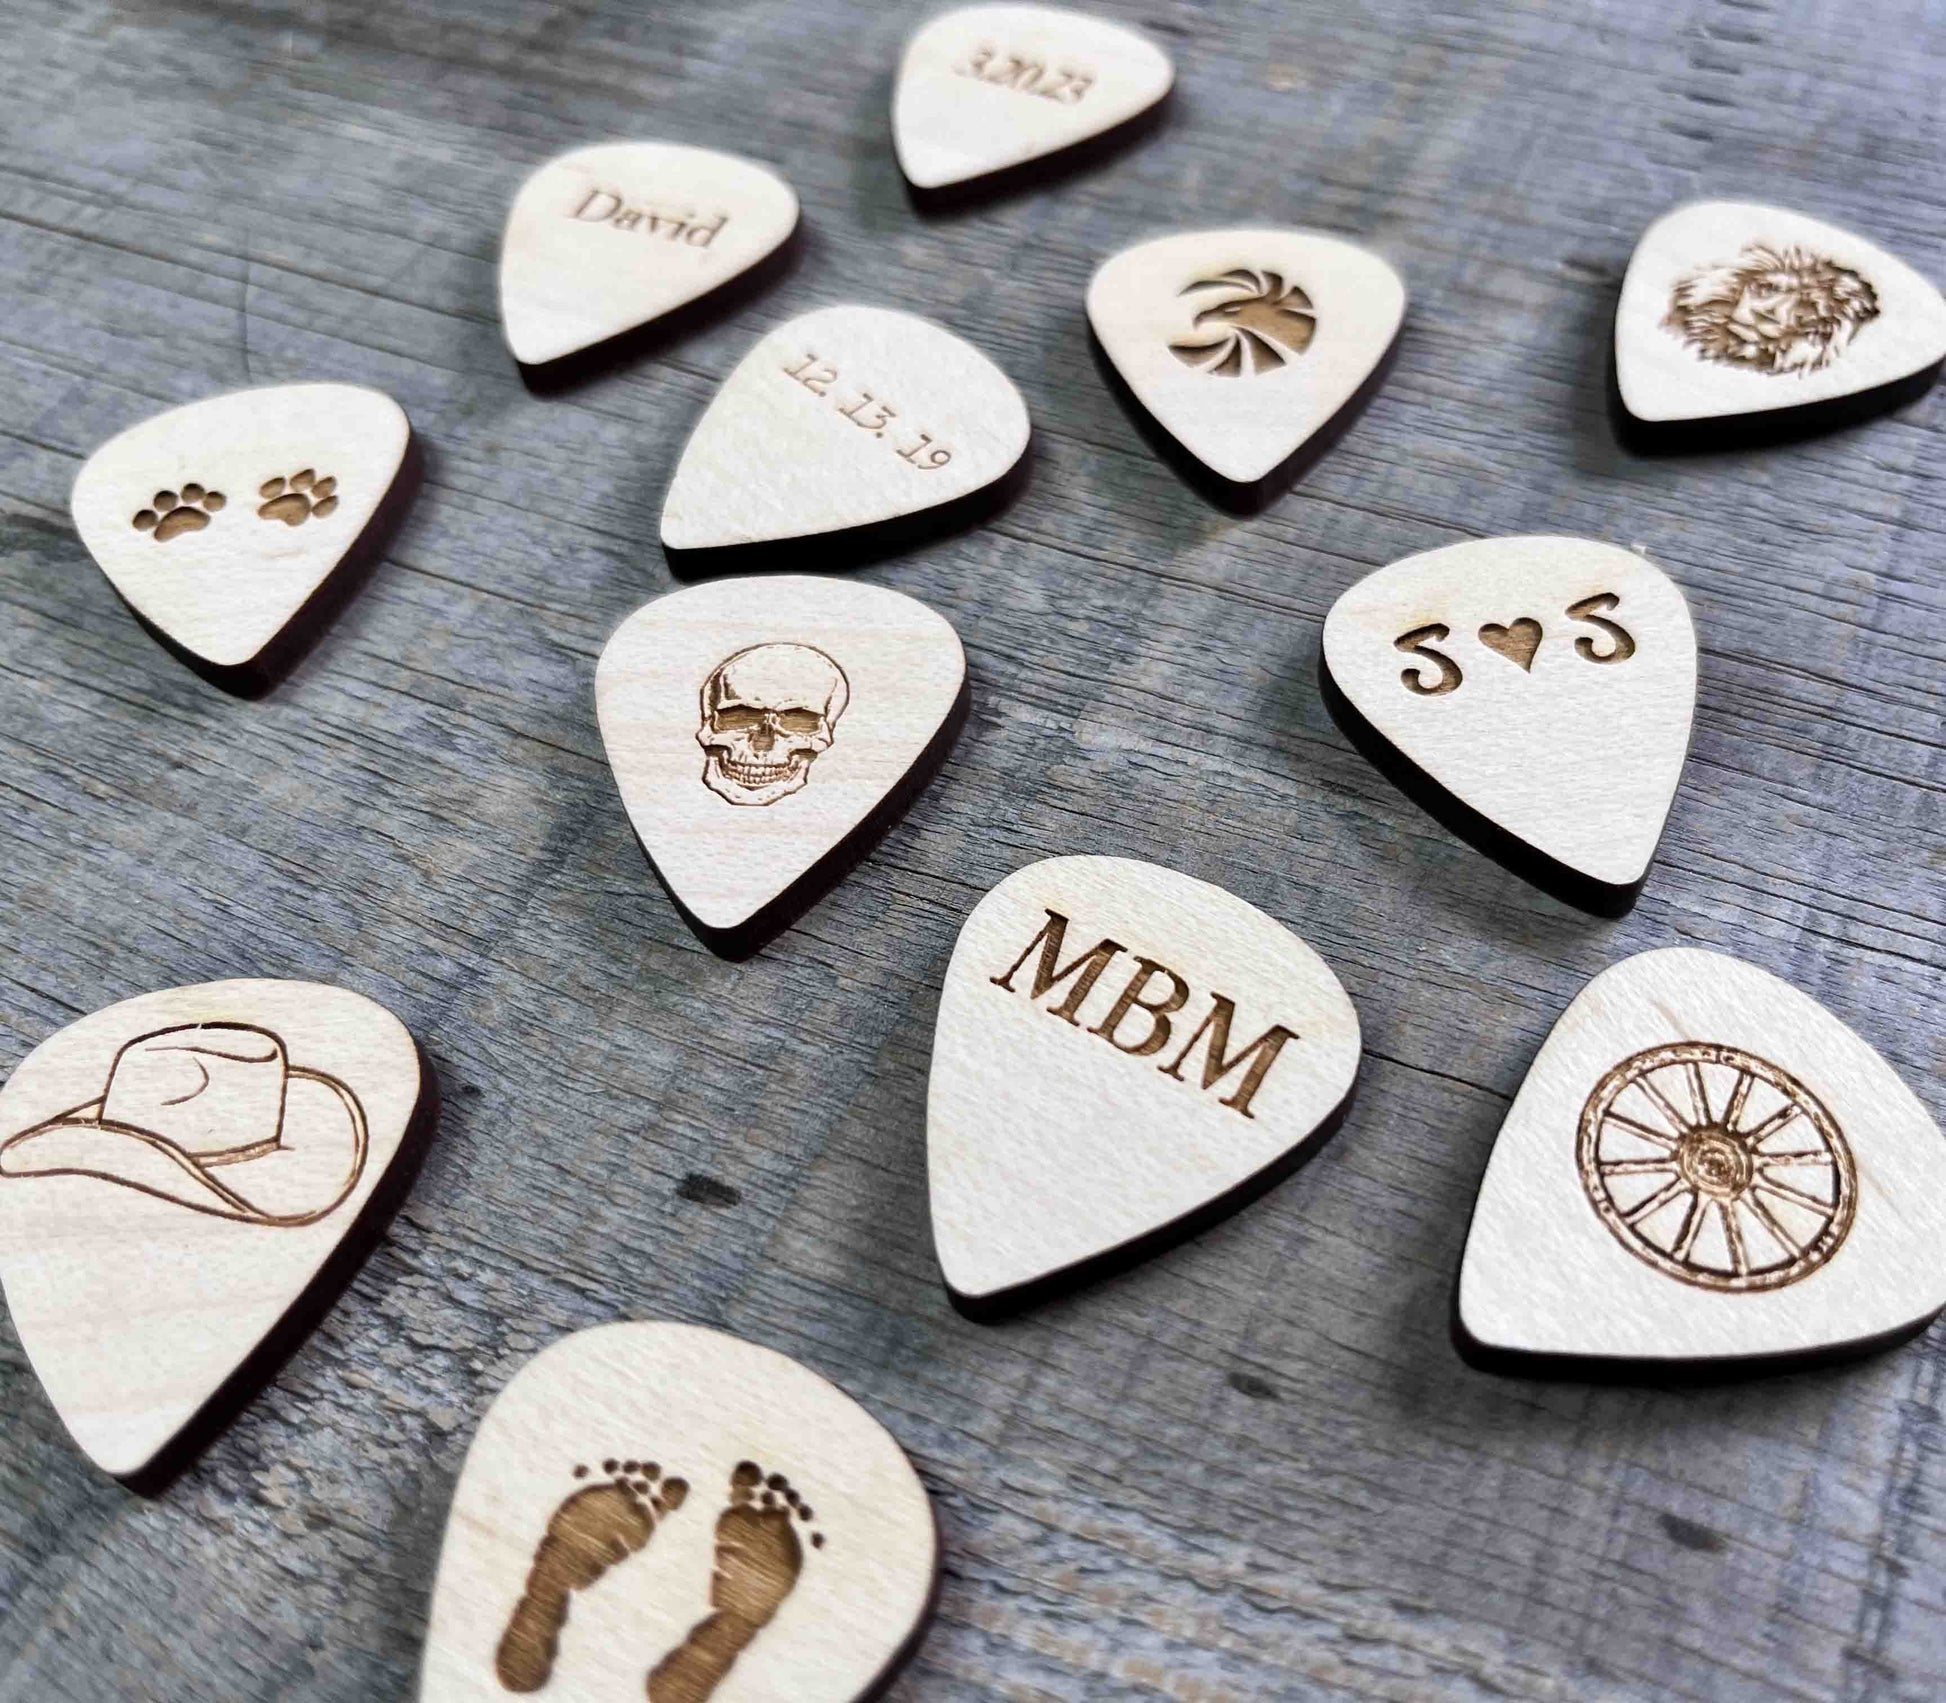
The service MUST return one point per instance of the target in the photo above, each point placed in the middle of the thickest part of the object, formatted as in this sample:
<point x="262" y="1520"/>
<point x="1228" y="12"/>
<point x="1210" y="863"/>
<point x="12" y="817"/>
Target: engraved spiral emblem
<point x="1254" y="322"/>
<point x="1716" y="1167"/>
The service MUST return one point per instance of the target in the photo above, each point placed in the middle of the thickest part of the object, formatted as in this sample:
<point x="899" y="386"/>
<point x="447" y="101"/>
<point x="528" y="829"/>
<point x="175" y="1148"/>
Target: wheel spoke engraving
<point x="1713" y="1166"/>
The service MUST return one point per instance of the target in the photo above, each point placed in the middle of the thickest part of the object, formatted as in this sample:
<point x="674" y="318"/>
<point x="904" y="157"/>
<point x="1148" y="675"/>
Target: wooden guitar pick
<point x="986" y="89"/>
<point x="1534" y="694"/>
<point x="839" y="429"/>
<point x="1741" y="322"/>
<point x="1250" y="348"/>
<point x="1123" y="1056"/>
<point x="606" y="239"/>
<point x="234" y="527"/>
<point x="665" y="1510"/>
<point x="765" y="731"/>
<point x="186" y="1180"/>
<point x="1704" y="1167"/>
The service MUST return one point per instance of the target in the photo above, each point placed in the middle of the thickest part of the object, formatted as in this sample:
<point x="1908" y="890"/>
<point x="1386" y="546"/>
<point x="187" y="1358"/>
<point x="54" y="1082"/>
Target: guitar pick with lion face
<point x="763" y="730"/>
<point x="1244" y="344"/>
<point x="176" y="1174"/>
<point x="221" y="522"/>
<point x="986" y="88"/>
<point x="1123" y="1055"/>
<point x="1705" y="1165"/>
<point x="843" y="419"/>
<point x="1733" y="310"/>
<point x="664" y="1509"/>
<point x="605" y="239"/>
<point x="1536" y="693"/>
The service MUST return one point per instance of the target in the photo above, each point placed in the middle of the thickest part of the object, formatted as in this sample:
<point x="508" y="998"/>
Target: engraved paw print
<point x="298" y="498"/>
<point x="170" y="515"/>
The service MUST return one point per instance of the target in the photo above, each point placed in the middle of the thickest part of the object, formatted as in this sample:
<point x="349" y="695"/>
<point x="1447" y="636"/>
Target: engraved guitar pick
<point x="985" y="88"/>
<point x="1735" y="314"/>
<point x="605" y="239"/>
<point x="1123" y="1055"/>
<point x="664" y="1510"/>
<point x="221" y="523"/>
<point x="185" y="1180"/>
<point x="1704" y="1165"/>
<point x="843" y="420"/>
<point x="1533" y="693"/>
<point x="1246" y="345"/>
<point x="763" y="732"/>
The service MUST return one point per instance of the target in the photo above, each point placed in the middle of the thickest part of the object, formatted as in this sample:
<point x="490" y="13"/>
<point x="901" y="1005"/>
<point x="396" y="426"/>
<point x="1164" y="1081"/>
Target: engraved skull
<point x="767" y="713"/>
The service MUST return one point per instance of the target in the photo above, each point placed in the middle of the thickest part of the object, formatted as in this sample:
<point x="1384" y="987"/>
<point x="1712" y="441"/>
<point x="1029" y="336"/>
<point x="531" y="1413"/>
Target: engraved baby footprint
<point x="169" y="516"/>
<point x="297" y="499"/>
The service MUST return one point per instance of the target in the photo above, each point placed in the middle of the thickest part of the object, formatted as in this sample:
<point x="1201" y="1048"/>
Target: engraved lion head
<point x="1773" y="310"/>
<point x="1260" y="323"/>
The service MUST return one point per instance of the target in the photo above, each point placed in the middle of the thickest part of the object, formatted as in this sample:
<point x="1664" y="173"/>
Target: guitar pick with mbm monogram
<point x="1123" y="1055"/>
<point x="1534" y="694"/>
<point x="185" y="1180"/>
<point x="1703" y="1166"/>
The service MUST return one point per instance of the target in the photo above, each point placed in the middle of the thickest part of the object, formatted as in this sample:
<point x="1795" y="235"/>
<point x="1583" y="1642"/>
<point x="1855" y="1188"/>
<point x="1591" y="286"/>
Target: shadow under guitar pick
<point x="857" y="546"/>
<point x="756" y="931"/>
<point x="267" y="1359"/>
<point x="644" y="342"/>
<point x="272" y="665"/>
<point x="1453" y="813"/>
<point x="1043" y="171"/>
<point x="1250" y="496"/>
<point x="1003" y="1304"/>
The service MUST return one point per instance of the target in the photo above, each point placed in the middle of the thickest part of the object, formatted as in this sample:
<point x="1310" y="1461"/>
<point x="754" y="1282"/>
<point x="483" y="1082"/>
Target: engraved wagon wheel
<point x="1748" y="1187"/>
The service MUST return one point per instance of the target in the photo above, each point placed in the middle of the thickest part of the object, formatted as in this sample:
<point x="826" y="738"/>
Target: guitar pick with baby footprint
<point x="611" y="1578"/>
<point x="226" y="580"/>
<point x="1536" y="693"/>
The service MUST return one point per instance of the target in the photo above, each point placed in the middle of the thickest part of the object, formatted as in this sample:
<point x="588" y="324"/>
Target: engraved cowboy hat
<point x="215" y="1117"/>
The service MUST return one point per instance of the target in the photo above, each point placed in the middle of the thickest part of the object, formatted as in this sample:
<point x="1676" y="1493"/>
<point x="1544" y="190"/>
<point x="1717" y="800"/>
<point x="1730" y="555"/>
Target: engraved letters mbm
<point x="1158" y="1006"/>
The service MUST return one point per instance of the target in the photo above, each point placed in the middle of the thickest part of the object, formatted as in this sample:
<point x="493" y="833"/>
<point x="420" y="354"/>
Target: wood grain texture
<point x="1254" y="1467"/>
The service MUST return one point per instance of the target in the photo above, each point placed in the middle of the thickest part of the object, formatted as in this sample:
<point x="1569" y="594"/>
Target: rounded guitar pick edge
<point x="996" y="1305"/>
<point x="1703" y="1367"/>
<point x="152" y="1474"/>
<point x="1650" y="433"/>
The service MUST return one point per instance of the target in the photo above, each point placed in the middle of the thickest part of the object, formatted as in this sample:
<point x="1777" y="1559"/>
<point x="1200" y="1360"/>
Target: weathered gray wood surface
<point x="1253" y="1467"/>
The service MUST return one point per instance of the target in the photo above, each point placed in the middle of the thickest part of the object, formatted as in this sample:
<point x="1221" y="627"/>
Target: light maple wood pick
<point x="839" y="423"/>
<point x="763" y="731"/>
<point x="186" y="1179"/>
<point x="1123" y="1055"/>
<point x="986" y="88"/>
<point x="1735" y="316"/>
<point x="1704" y="1166"/>
<point x="221" y="523"/>
<point x="1534" y="693"/>
<point x="605" y="239"/>
<point x="1246" y="344"/>
<point x="669" y="1511"/>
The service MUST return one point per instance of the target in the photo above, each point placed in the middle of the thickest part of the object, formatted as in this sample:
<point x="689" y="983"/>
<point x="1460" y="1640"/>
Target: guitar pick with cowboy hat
<point x="213" y="1116"/>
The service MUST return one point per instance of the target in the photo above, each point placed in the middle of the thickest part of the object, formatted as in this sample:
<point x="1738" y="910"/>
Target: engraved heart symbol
<point x="1516" y="643"/>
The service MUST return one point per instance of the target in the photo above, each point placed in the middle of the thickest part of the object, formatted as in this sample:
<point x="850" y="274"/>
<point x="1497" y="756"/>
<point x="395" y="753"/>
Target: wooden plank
<point x="1253" y="1467"/>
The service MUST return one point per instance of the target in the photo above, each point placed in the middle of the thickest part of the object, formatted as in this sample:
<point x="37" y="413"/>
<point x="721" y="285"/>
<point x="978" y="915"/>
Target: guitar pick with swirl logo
<point x="184" y="1178"/>
<point x="232" y="526"/>
<point x="1123" y="1055"/>
<point x="1250" y="347"/>
<point x="1534" y="693"/>
<point x="666" y="1511"/>
<point x="1704" y="1165"/>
